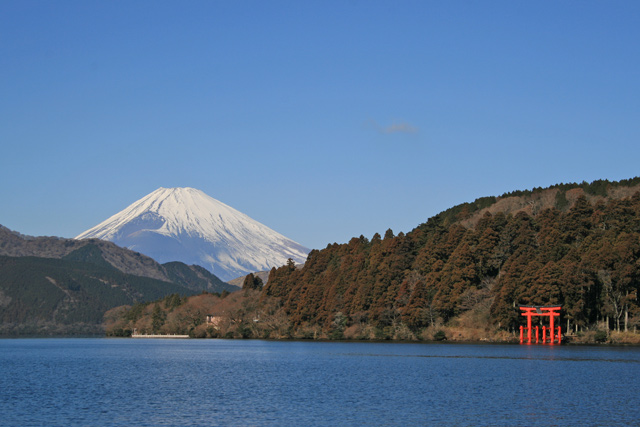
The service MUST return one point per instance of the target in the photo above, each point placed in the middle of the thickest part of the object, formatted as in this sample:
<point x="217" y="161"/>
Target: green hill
<point x="196" y="278"/>
<point x="46" y="296"/>
<point x="53" y="286"/>
<point x="107" y="254"/>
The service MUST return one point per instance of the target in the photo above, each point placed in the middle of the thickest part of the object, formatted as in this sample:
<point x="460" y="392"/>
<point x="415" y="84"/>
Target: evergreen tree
<point x="252" y="282"/>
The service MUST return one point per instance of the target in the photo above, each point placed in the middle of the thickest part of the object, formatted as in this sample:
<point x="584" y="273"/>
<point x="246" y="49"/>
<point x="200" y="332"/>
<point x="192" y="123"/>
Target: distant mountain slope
<point x="54" y="286"/>
<point x="196" y="277"/>
<point x="103" y="253"/>
<point x="47" y="296"/>
<point x="15" y="244"/>
<point x="185" y="224"/>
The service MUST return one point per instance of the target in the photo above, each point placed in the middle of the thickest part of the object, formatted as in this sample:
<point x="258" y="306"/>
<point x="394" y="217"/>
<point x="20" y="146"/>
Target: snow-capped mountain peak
<point x="185" y="224"/>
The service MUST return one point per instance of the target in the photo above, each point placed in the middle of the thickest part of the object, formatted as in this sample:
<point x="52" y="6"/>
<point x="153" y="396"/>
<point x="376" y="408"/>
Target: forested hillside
<point x="108" y="254"/>
<point x="46" y="296"/>
<point x="54" y="286"/>
<point x="581" y="255"/>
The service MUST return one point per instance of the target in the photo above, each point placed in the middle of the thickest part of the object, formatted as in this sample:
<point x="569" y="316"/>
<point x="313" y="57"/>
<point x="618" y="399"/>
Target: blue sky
<point x="323" y="120"/>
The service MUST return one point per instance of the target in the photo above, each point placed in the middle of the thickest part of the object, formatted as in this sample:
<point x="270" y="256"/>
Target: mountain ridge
<point x="51" y="286"/>
<point x="14" y="244"/>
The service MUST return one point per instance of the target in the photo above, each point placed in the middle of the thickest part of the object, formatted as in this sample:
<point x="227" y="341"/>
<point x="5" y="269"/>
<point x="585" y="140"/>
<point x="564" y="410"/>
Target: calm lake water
<point x="119" y="382"/>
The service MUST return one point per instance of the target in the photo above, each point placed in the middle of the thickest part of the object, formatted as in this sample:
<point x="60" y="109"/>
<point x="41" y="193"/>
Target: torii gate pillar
<point x="552" y="312"/>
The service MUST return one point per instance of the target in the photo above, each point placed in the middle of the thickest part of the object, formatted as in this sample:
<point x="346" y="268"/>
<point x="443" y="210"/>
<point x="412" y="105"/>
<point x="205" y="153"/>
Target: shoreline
<point x="565" y="342"/>
<point x="159" y="336"/>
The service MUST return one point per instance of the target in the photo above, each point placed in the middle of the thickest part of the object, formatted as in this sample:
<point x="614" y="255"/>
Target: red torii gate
<point x="555" y="334"/>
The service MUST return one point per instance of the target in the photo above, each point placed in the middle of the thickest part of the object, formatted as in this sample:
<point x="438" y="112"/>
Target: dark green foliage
<point x="119" y="332"/>
<point x="439" y="336"/>
<point x="596" y="188"/>
<point x="626" y="182"/>
<point x="601" y="336"/>
<point x="157" y="318"/>
<point x="173" y="301"/>
<point x="67" y="292"/>
<point x="195" y="278"/>
<point x="89" y="253"/>
<point x="135" y="312"/>
<point x="337" y="326"/>
<point x="464" y="210"/>
<point x="252" y="282"/>
<point x="561" y="200"/>
<point x="244" y="330"/>
<point x="336" y="334"/>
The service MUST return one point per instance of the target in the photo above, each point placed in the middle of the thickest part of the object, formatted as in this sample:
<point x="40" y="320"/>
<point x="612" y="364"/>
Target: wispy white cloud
<point x="400" y="127"/>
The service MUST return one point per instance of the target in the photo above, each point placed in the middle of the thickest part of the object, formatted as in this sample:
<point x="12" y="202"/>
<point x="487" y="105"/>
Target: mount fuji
<point x="185" y="224"/>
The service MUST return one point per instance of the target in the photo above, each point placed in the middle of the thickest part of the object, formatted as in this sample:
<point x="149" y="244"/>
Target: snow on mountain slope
<point x="185" y="224"/>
